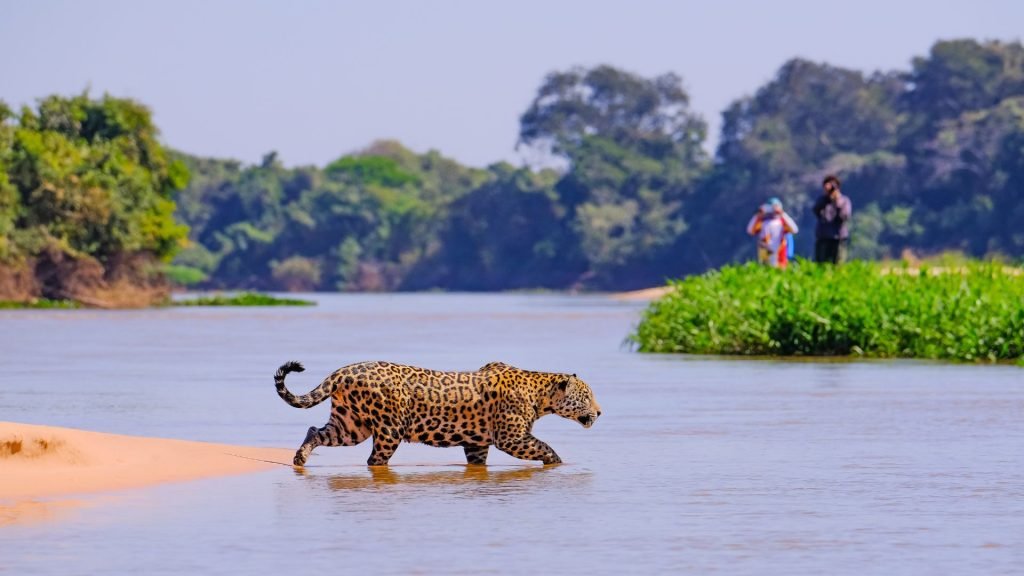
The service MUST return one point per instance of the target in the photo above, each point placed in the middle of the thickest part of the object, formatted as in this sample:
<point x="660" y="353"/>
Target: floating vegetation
<point x="243" y="299"/>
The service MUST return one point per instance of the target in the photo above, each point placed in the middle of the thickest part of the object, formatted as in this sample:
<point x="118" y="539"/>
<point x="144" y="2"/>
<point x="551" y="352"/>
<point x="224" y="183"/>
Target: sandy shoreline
<point x="643" y="295"/>
<point x="44" y="462"/>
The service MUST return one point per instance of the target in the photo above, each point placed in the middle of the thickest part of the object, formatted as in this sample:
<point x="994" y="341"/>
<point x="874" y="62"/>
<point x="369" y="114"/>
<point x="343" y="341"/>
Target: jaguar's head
<point x="572" y="398"/>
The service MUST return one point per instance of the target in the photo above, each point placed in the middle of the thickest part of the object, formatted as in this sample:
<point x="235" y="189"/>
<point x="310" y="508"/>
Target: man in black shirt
<point x="832" y="234"/>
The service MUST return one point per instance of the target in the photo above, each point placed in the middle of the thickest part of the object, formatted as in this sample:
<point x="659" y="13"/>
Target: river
<point x="697" y="465"/>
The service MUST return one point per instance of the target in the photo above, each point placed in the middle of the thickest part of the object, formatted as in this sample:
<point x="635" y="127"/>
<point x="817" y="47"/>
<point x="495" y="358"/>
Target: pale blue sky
<point x="316" y="79"/>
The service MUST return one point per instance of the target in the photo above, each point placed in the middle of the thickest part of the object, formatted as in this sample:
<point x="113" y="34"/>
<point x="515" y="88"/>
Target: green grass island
<point x="972" y="312"/>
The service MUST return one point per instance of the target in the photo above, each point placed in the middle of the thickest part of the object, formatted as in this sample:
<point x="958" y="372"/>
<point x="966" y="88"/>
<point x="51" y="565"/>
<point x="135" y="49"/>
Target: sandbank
<point x="38" y="464"/>
<point x="643" y="295"/>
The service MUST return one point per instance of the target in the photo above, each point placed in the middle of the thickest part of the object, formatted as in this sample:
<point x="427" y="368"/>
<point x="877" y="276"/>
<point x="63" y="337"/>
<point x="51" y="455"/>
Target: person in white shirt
<point x="771" y="226"/>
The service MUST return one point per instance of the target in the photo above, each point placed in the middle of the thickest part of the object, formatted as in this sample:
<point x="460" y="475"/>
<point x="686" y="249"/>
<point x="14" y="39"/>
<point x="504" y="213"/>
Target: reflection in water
<point x="25" y="512"/>
<point x="479" y="480"/>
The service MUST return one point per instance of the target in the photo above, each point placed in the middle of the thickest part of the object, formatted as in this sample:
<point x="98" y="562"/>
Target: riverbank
<point x="55" y="277"/>
<point x="240" y="299"/>
<point x="41" y="463"/>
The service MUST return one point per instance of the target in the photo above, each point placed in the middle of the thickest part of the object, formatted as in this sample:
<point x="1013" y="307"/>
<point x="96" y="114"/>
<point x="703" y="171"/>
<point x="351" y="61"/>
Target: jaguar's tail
<point x="316" y="396"/>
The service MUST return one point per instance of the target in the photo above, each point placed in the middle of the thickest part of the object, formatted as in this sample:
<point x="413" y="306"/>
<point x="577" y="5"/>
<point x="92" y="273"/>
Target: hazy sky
<point x="316" y="79"/>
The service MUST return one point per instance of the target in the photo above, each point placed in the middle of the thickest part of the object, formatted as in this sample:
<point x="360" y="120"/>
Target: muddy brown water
<point x="698" y="465"/>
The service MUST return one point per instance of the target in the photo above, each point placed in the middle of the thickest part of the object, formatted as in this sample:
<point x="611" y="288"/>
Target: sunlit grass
<point x="974" y="312"/>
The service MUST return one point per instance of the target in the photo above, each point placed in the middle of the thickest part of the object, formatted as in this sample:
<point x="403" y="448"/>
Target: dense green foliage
<point x="933" y="159"/>
<point x="972" y="313"/>
<point x="361" y="223"/>
<point x="87" y="177"/>
<point x="243" y="299"/>
<point x="85" y="199"/>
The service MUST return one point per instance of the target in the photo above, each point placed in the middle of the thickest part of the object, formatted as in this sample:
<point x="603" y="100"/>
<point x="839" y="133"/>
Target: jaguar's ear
<point x="563" y="385"/>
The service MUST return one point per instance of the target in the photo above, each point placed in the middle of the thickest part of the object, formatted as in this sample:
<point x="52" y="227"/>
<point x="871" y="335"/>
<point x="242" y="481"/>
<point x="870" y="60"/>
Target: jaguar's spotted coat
<point x="497" y="404"/>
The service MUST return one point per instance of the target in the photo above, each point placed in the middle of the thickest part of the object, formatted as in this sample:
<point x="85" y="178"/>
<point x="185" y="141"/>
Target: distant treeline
<point x="933" y="159"/>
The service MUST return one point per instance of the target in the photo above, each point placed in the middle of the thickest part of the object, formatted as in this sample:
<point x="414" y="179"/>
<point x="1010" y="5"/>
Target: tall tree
<point x="634" y="150"/>
<point x="605" y="102"/>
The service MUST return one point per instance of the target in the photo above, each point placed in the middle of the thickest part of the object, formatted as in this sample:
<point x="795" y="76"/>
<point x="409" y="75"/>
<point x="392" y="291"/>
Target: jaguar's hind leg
<point x="384" y="446"/>
<point x="335" y="433"/>
<point x="312" y="441"/>
<point x="476" y="454"/>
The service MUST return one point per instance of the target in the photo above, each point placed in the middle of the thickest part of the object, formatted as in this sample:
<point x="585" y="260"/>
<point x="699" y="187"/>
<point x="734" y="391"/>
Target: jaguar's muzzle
<point x="588" y="420"/>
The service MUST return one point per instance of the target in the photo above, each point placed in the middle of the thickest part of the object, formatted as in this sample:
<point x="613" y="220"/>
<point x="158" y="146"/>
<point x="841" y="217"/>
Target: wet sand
<point x="642" y="295"/>
<point x="42" y="463"/>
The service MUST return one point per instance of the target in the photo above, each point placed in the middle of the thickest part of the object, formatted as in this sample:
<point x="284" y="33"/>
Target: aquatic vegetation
<point x="39" y="304"/>
<point x="973" y="312"/>
<point x="243" y="299"/>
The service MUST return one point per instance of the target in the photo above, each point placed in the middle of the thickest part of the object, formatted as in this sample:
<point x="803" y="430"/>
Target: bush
<point x="971" y="313"/>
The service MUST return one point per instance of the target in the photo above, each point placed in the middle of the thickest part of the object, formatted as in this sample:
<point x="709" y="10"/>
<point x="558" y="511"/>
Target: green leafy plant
<point x="971" y="313"/>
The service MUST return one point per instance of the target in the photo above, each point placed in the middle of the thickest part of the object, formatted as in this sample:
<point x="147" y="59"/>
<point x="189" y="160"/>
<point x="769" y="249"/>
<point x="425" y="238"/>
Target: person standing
<point x="772" y="228"/>
<point x="832" y="234"/>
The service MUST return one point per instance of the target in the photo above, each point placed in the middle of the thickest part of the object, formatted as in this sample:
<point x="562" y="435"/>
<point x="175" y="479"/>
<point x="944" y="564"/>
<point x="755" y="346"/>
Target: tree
<point x="962" y="75"/>
<point x="86" y="183"/>
<point x="93" y="178"/>
<point x="633" y="150"/>
<point x="649" y="115"/>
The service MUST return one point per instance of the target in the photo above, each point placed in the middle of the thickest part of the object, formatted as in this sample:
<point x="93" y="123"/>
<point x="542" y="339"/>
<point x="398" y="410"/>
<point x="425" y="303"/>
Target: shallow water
<point x="697" y="465"/>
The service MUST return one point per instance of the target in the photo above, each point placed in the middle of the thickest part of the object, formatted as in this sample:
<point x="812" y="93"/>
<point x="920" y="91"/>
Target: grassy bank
<point x="971" y="313"/>
<point x="243" y="299"/>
